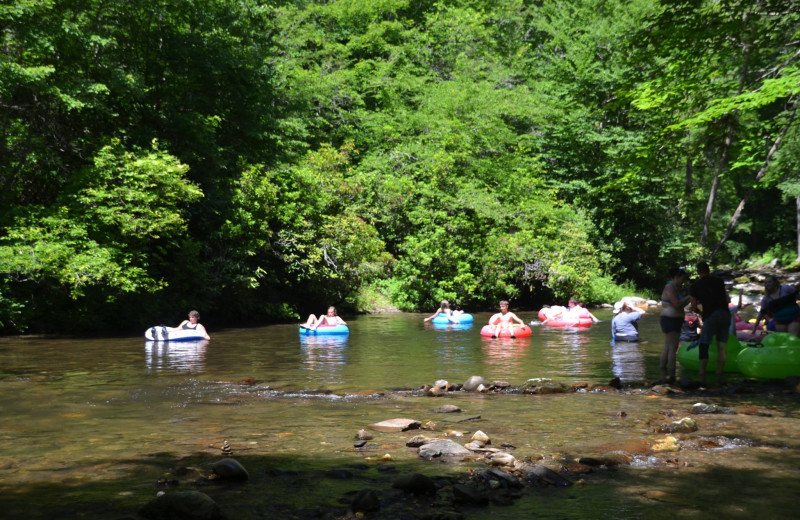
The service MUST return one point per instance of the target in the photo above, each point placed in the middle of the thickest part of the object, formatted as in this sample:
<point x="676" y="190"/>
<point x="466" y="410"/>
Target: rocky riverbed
<point x="462" y="472"/>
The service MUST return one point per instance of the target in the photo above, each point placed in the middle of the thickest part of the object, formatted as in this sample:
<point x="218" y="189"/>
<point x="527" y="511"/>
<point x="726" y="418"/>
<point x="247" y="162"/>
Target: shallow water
<point x="90" y="425"/>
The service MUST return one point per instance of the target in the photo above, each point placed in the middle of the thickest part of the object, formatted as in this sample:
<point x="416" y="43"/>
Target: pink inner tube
<point x="520" y="331"/>
<point x="583" y="322"/>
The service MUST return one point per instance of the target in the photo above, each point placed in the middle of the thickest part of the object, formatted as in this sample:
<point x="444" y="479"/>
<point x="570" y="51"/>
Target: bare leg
<point x="311" y="321"/>
<point x="722" y="356"/>
<point x="668" y="356"/>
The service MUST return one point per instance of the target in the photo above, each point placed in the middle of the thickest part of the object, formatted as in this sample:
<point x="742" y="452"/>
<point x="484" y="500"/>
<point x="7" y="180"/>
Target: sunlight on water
<point x="108" y="410"/>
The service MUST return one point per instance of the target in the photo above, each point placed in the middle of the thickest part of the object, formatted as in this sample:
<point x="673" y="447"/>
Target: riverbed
<point x="95" y="428"/>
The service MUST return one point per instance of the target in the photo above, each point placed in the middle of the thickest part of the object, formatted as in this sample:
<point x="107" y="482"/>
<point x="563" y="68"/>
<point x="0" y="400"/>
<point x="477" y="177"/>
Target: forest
<point x="259" y="160"/>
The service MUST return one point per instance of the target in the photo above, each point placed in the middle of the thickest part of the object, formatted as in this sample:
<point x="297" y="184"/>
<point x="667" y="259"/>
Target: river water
<point x="89" y="426"/>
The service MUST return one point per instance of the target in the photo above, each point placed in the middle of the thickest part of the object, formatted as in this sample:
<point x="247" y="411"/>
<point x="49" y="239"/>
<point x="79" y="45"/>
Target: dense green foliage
<point x="259" y="160"/>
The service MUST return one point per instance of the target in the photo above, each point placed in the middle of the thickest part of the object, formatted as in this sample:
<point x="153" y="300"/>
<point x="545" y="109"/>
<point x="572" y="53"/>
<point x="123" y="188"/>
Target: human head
<point x="331" y="311"/>
<point x="771" y="283"/>
<point x="572" y="302"/>
<point x="445" y="304"/>
<point x="503" y="303"/>
<point x="194" y="314"/>
<point x="621" y="306"/>
<point x="702" y="268"/>
<point x="677" y="272"/>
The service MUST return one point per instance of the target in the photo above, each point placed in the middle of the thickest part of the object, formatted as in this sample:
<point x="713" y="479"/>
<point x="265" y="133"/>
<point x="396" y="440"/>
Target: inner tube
<point x="563" y="317"/>
<point x="326" y="329"/>
<point x="462" y="318"/>
<point x="777" y="357"/>
<point x="520" y="331"/>
<point x="580" y="322"/>
<point x="691" y="358"/>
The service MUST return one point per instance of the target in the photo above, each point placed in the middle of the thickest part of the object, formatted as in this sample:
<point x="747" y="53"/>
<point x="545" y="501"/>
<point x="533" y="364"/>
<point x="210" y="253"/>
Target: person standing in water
<point x="671" y="320"/>
<point x="709" y="293"/>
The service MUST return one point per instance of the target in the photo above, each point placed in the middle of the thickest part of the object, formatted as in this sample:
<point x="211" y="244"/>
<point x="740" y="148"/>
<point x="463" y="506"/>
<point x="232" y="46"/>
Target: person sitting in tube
<point x="330" y="319"/>
<point x="504" y="320"/>
<point x="444" y="308"/>
<point x="193" y="323"/>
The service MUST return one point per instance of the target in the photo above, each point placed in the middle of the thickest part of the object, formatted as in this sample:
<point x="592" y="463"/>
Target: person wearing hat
<point x="623" y="326"/>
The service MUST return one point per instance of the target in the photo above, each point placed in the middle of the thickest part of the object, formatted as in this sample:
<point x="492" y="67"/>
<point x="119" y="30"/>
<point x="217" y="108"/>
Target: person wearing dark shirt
<point x="709" y="294"/>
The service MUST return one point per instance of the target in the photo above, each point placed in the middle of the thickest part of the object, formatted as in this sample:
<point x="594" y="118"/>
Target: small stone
<point x="364" y="435"/>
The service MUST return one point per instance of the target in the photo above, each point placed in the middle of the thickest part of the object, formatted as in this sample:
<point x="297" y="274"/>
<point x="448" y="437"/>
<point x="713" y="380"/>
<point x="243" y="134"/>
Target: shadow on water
<point x="90" y="426"/>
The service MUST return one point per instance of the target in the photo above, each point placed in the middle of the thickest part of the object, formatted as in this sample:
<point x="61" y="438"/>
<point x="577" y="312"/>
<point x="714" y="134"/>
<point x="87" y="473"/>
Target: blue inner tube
<point x="442" y="319"/>
<point x="326" y="329"/>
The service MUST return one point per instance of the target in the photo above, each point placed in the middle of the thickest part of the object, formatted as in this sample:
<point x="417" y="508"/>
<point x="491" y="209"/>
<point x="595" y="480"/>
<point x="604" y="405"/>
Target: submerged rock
<point x="443" y="448"/>
<point x="543" y="476"/>
<point x="541" y="385"/>
<point x="366" y="501"/>
<point x="668" y="443"/>
<point x="396" y="425"/>
<point x="710" y="408"/>
<point x="416" y="483"/>
<point x="685" y="425"/>
<point x="230" y="469"/>
<point x="186" y="505"/>
<point x="417" y="441"/>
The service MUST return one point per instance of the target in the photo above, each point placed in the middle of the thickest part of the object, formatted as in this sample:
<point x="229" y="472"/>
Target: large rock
<point x="366" y="501"/>
<point x="416" y="483"/>
<point x="472" y="384"/>
<point x="685" y="425"/>
<point x="443" y="448"/>
<point x="182" y="505"/>
<point x="543" y="476"/>
<point x="230" y="469"/>
<point x="396" y="425"/>
<point x="540" y="385"/>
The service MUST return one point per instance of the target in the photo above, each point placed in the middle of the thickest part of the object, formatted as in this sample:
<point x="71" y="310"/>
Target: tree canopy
<point x="260" y="160"/>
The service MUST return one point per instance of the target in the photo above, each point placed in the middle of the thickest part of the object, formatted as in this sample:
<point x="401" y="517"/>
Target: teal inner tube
<point x="326" y="329"/>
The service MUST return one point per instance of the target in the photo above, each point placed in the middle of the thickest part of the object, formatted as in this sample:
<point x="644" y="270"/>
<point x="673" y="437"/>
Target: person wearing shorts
<point x="671" y="320"/>
<point x="709" y="293"/>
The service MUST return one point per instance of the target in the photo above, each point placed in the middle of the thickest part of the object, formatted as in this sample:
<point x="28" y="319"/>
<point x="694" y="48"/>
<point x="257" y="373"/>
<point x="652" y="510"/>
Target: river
<point x="90" y="426"/>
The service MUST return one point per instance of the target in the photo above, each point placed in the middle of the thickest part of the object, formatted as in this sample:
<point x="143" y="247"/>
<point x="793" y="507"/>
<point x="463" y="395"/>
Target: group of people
<point x="574" y="312"/>
<point x="709" y="312"/>
<point x="708" y="301"/>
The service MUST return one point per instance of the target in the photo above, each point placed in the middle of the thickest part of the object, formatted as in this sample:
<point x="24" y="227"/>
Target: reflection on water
<point x="627" y="361"/>
<point x="176" y="356"/>
<point x="505" y="353"/>
<point x="89" y="409"/>
<point x="325" y="355"/>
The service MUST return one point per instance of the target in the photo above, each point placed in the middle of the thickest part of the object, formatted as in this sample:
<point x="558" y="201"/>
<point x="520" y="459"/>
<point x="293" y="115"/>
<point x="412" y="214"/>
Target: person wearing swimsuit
<point x="331" y="318"/>
<point x="671" y="320"/>
<point x="193" y="323"/>
<point x="504" y="320"/>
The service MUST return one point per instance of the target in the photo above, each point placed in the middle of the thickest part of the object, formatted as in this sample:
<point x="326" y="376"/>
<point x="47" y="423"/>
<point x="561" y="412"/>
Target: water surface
<point x="90" y="425"/>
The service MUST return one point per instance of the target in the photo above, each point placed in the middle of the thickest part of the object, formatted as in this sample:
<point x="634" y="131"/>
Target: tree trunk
<point x="760" y="175"/>
<point x="712" y="195"/>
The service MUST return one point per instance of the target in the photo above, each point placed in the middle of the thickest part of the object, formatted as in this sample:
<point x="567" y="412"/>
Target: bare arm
<point x="429" y="318"/>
